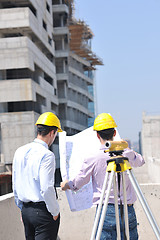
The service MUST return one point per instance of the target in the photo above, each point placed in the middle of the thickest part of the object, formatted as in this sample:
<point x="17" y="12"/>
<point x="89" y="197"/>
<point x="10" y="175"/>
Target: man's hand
<point x="64" y="185"/>
<point x="55" y="217"/>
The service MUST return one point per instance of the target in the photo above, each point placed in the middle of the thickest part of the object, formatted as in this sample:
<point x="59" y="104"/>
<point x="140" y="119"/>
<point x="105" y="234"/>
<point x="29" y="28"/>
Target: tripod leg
<point x="116" y="209"/>
<point x="144" y="204"/>
<point x="105" y="206"/>
<point x="99" y="207"/>
<point x="125" y="205"/>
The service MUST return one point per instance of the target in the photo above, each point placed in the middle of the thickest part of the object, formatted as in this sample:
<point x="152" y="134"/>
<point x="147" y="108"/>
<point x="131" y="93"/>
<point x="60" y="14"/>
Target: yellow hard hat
<point x="104" y="121"/>
<point x="49" y="119"/>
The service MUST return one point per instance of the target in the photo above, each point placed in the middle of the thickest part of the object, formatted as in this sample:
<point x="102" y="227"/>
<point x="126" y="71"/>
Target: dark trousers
<point x="38" y="222"/>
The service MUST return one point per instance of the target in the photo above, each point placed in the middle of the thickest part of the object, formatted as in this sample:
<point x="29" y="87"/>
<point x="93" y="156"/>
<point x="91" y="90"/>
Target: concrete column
<point x="64" y="66"/>
<point x="65" y="90"/>
<point x="63" y="45"/>
<point x="61" y="19"/>
<point x="2" y="74"/>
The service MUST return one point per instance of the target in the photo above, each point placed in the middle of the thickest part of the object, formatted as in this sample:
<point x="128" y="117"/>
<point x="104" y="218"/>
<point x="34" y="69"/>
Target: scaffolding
<point x="80" y="38"/>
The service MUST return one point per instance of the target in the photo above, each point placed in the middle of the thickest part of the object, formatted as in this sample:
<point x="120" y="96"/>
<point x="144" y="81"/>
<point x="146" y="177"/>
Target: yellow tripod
<point x="119" y="164"/>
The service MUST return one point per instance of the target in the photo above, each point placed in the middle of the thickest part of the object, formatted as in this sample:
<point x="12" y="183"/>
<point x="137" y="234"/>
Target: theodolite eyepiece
<point x="116" y="145"/>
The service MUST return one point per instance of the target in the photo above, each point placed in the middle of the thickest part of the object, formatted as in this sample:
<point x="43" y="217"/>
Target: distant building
<point x="129" y="142"/>
<point x="46" y="64"/>
<point x="150" y="143"/>
<point x="151" y="136"/>
<point x="140" y="143"/>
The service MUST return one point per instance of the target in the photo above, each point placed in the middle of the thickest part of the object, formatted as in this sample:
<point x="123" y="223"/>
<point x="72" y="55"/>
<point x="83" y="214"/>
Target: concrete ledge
<point x="11" y="227"/>
<point x="74" y="225"/>
<point x="77" y="225"/>
<point x="152" y="195"/>
<point x="60" y="8"/>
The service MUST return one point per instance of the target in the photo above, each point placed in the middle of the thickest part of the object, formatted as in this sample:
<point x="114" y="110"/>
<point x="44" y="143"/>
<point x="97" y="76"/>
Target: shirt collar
<point x="41" y="142"/>
<point x="103" y="147"/>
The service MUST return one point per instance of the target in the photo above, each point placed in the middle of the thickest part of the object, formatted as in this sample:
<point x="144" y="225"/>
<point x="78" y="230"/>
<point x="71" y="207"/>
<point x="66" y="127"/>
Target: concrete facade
<point x="77" y="225"/>
<point x="28" y="84"/>
<point x="39" y="71"/>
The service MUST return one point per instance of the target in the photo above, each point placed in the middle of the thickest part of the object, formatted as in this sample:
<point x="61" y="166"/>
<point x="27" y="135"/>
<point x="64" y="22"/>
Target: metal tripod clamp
<point x="118" y="164"/>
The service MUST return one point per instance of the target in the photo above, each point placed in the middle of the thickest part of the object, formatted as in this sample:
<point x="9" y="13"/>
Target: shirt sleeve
<point x="83" y="176"/>
<point x="18" y="202"/>
<point x="135" y="159"/>
<point x="47" y="171"/>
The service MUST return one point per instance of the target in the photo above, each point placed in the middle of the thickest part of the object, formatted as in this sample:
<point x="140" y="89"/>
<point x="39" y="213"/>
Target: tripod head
<point x="115" y="149"/>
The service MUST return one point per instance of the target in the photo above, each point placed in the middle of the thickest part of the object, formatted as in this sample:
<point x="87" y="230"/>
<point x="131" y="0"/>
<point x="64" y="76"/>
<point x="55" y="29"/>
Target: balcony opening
<point x="58" y="44"/>
<point x="49" y="41"/>
<point x="40" y="99"/>
<point x="25" y="106"/>
<point x="59" y="66"/>
<point x="60" y="19"/>
<point x="10" y="35"/>
<point x="21" y="106"/>
<point x="48" y="79"/>
<point x="48" y="7"/>
<point x="44" y="25"/>
<point x="20" y="73"/>
<point x="54" y="107"/>
<point x="55" y="2"/>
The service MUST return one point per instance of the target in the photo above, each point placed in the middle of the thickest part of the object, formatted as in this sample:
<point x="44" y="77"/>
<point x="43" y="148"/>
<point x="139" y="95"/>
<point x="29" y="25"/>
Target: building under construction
<point x="46" y="64"/>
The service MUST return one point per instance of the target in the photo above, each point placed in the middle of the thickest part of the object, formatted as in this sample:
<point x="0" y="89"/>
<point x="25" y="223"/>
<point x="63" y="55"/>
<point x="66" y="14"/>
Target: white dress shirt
<point x="33" y="175"/>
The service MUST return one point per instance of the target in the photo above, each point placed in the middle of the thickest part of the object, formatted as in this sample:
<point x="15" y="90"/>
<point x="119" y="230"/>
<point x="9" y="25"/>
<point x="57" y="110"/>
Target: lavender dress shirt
<point x="94" y="167"/>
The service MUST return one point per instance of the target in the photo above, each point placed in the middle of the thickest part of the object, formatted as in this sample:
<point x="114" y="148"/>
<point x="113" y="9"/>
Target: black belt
<point x="34" y="204"/>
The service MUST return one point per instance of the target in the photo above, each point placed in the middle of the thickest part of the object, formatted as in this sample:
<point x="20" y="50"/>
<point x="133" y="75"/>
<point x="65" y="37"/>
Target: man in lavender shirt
<point x="95" y="167"/>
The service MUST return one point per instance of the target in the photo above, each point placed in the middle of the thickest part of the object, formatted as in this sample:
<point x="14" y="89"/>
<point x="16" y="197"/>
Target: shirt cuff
<point x="19" y="203"/>
<point x="72" y="186"/>
<point x="56" y="211"/>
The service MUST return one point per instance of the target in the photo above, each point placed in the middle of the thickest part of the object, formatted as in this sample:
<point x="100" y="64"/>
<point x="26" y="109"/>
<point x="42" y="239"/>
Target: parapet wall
<point x="11" y="227"/>
<point x="77" y="225"/>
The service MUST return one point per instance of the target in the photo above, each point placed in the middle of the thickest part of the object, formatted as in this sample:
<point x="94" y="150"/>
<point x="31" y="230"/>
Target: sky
<point x="127" y="38"/>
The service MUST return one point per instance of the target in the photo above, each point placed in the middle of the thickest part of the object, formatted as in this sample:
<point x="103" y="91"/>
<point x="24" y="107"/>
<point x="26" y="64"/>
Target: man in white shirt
<point x="33" y="181"/>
